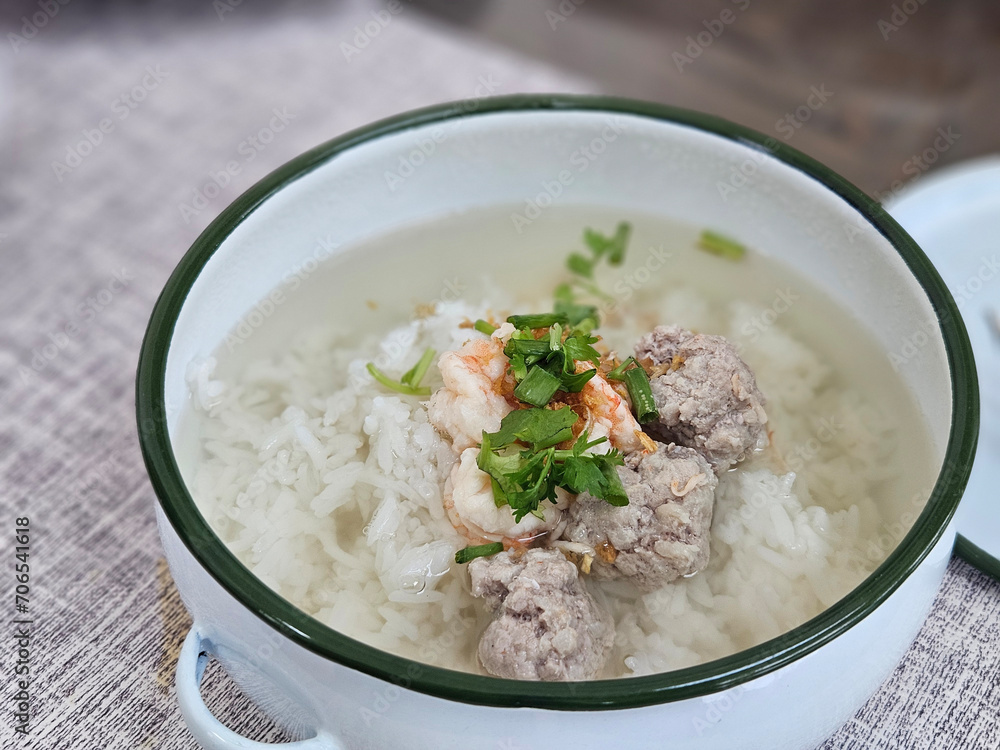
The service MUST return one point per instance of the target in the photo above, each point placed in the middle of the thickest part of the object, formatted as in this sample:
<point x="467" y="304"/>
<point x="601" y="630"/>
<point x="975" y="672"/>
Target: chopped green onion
<point x="541" y="320"/>
<point x="618" y="373"/>
<point x="718" y="244"/>
<point x="555" y="337"/>
<point x="483" y="550"/>
<point x="639" y="391"/>
<point x="538" y="387"/>
<point x="484" y="326"/>
<point x="527" y="347"/>
<point x="396" y="385"/>
<point x="415" y="374"/>
<point x="524" y="479"/>
<point x="641" y="395"/>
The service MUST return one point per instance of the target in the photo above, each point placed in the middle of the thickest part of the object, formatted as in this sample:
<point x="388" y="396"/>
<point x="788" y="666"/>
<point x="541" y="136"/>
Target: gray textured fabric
<point x="108" y="620"/>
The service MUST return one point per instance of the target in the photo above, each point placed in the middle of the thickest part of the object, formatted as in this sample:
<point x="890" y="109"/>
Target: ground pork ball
<point x="545" y="625"/>
<point x="663" y="532"/>
<point x="706" y="395"/>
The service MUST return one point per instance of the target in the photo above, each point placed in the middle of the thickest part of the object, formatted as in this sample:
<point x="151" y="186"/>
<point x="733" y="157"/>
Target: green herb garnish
<point x="541" y="320"/>
<point x="544" y="366"/>
<point x="483" y="550"/>
<point x="581" y="265"/>
<point x="639" y="391"/>
<point x="600" y="246"/>
<point x="613" y="246"/>
<point x="574" y="382"/>
<point x="524" y="479"/>
<point x="484" y="326"/>
<point x="415" y="374"/>
<point x="718" y="244"/>
<point x="618" y="373"/>
<point x="537" y="428"/>
<point x="641" y="395"/>
<point x="538" y="386"/>
<point x="579" y="348"/>
<point x="409" y="383"/>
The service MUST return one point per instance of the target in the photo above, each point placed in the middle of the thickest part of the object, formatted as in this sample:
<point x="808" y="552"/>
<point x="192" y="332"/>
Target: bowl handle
<point x="211" y="733"/>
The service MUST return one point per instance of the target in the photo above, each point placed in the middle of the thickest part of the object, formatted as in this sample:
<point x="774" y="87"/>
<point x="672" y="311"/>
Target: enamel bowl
<point x="334" y="692"/>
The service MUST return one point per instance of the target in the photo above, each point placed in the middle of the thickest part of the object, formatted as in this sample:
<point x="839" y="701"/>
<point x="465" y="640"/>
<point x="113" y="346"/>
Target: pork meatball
<point x="663" y="532"/>
<point x="545" y="625"/>
<point x="706" y="395"/>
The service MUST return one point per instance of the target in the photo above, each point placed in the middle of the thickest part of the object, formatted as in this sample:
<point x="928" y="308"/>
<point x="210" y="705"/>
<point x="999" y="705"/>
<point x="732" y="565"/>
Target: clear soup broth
<point x="329" y="487"/>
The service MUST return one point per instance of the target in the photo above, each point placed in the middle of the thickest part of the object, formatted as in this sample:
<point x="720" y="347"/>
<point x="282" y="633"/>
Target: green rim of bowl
<point x="703" y="679"/>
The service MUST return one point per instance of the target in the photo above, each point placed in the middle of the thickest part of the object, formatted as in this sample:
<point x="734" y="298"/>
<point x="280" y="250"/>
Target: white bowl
<point x="790" y="692"/>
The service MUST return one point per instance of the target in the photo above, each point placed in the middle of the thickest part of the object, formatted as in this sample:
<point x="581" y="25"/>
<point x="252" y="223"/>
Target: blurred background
<point x="892" y="73"/>
<point x="127" y="126"/>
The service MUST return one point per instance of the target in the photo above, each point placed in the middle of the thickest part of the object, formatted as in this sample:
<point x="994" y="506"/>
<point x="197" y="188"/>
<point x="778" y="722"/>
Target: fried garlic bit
<point x="581" y="555"/>
<point x="606" y="552"/>
<point x="691" y="484"/>
<point x="648" y="444"/>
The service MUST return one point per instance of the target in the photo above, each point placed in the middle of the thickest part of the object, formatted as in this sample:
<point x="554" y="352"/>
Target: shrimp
<point x="477" y="391"/>
<point x="607" y="414"/>
<point x="468" y="501"/>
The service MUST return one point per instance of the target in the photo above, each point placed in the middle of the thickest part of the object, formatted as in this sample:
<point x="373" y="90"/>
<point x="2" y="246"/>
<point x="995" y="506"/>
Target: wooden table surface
<point x="892" y="73"/>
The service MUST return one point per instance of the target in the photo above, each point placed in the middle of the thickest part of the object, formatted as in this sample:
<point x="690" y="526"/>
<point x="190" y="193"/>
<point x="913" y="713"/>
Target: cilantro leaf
<point x="580" y="265"/>
<point x="579" y="474"/>
<point x="538" y="428"/>
<point x="613" y="246"/>
<point x="573" y="382"/>
<point x="579" y="348"/>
